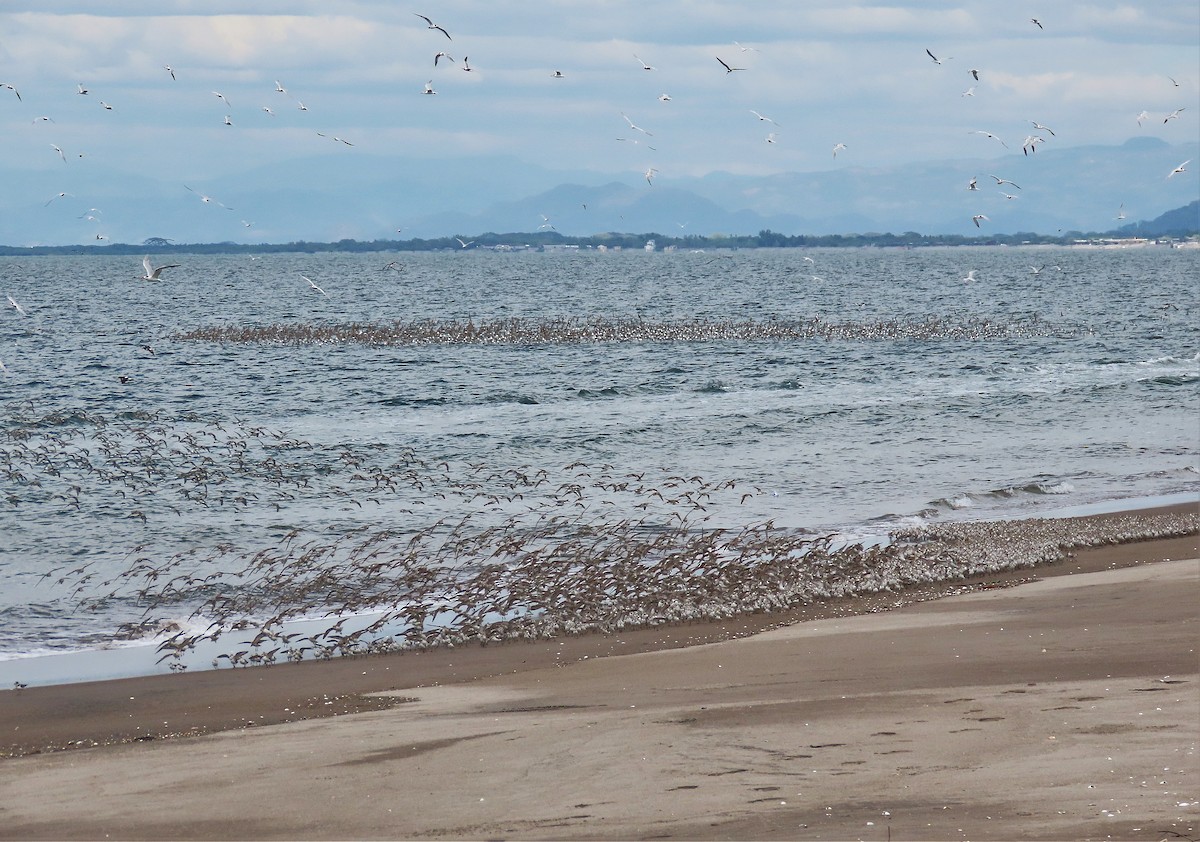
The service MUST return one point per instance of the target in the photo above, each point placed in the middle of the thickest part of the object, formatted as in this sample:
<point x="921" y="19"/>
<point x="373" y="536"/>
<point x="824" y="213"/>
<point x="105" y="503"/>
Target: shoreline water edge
<point x="777" y="573"/>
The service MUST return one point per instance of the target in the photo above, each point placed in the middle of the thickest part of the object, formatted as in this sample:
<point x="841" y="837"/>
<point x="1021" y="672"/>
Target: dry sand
<point x="1062" y="708"/>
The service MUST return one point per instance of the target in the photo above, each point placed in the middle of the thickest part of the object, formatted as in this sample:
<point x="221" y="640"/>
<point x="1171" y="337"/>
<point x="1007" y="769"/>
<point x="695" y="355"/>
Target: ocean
<point x="159" y="440"/>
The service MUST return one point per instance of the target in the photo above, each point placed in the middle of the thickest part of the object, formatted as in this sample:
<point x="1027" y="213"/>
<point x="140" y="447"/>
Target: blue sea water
<point x="915" y="396"/>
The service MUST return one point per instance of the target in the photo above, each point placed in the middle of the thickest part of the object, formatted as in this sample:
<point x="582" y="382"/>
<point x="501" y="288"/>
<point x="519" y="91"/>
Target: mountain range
<point x="366" y="197"/>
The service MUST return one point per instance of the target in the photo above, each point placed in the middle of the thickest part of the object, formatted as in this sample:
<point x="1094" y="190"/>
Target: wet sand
<point x="1034" y="704"/>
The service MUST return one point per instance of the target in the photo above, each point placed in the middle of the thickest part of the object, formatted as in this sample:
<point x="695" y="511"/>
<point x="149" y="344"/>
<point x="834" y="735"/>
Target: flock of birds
<point x="636" y="135"/>
<point x="472" y="554"/>
<point x="570" y="331"/>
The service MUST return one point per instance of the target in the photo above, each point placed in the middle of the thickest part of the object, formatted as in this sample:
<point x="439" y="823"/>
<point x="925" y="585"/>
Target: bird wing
<point x="146" y="265"/>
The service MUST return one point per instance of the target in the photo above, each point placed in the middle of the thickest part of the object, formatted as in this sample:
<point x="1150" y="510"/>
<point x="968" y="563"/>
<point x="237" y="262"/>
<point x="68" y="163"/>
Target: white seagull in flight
<point x="313" y="285"/>
<point x="634" y="127"/>
<point x="1042" y="128"/>
<point x="728" y="68"/>
<point x="221" y="97"/>
<point x="989" y="134"/>
<point x="838" y="148"/>
<point x="208" y="200"/>
<point x="1181" y="168"/>
<point x="976" y="219"/>
<point x="154" y="273"/>
<point x="432" y="25"/>
<point x="1174" y="115"/>
<point x="12" y="302"/>
<point x="937" y="60"/>
<point x="644" y="65"/>
<point x="763" y="118"/>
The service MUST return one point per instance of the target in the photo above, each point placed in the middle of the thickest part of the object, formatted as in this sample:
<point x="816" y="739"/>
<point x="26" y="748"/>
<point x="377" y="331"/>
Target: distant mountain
<point x="1181" y="222"/>
<point x="370" y="197"/>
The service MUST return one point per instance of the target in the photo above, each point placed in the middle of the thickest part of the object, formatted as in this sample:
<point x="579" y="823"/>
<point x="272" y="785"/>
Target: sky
<point x="822" y="74"/>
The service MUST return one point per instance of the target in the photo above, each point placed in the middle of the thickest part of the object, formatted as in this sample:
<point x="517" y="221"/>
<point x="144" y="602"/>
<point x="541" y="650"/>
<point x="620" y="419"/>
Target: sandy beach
<point x="1055" y="703"/>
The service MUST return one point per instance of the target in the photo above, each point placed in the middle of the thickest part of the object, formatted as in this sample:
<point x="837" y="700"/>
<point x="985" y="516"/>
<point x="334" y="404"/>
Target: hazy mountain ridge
<point x="365" y="197"/>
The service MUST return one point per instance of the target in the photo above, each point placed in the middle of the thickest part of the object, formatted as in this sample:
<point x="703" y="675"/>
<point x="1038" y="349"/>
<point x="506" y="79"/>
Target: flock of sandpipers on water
<point x="472" y="554"/>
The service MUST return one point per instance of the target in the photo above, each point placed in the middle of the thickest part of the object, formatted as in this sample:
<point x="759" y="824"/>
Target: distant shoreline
<point x="612" y="241"/>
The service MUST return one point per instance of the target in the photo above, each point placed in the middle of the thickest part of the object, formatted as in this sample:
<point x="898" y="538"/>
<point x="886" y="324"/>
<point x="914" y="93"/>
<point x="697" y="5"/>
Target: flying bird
<point x="467" y="65"/>
<point x="314" y="286"/>
<point x="1037" y="23"/>
<point x="746" y="49"/>
<point x="1174" y="115"/>
<point x="976" y="219"/>
<point x="969" y="91"/>
<point x="763" y="117"/>
<point x="1031" y="142"/>
<point x="432" y="25"/>
<point x="442" y="55"/>
<point x="557" y="74"/>
<point x="221" y="97"/>
<point x="1000" y="181"/>
<point x="937" y="60"/>
<point x="1181" y="168"/>
<point x="170" y="70"/>
<point x="279" y="89"/>
<point x="650" y="173"/>
<point x="82" y="90"/>
<point x="208" y="200"/>
<point x="728" y="69"/>
<point x="228" y="122"/>
<point x="635" y="127"/>
<point x="973" y="185"/>
<point x="644" y="65"/>
<point x="664" y="97"/>
<point x="1121" y="211"/>
<point x="971" y="274"/>
<point x="838" y="147"/>
<point x="974" y="73"/>
<point x="771" y="137"/>
<point x="57" y="196"/>
<point x="107" y="107"/>
<point x="59" y="151"/>
<point x="154" y="273"/>
<point x="12" y="303"/>
<point x="11" y="88"/>
<point x="1042" y="128"/>
<point x="463" y="244"/>
<point x="1145" y="115"/>
<point x="429" y="88"/>
<point x="989" y="134"/>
